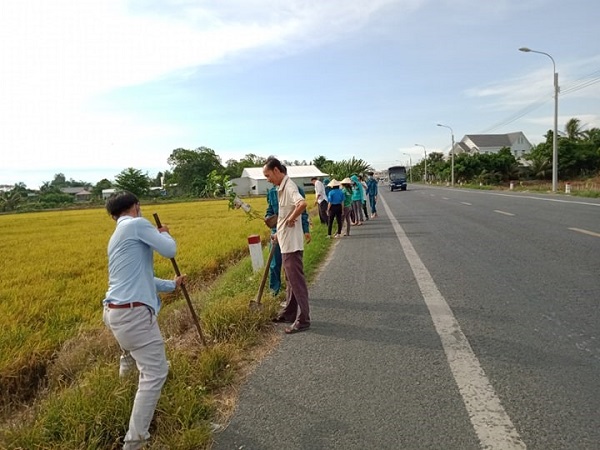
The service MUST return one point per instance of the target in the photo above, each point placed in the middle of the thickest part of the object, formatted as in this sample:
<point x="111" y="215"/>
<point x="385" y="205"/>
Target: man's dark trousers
<point x="323" y="211"/>
<point x="296" y="305"/>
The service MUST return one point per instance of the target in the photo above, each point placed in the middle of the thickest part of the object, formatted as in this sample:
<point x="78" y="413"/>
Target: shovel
<point x="256" y="304"/>
<point x="185" y="292"/>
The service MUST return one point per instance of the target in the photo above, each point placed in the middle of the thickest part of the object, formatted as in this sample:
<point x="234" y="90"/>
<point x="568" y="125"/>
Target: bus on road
<point x="397" y="177"/>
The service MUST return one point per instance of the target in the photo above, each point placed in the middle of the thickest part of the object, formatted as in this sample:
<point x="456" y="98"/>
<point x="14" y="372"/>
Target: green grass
<point x="588" y="194"/>
<point x="87" y="406"/>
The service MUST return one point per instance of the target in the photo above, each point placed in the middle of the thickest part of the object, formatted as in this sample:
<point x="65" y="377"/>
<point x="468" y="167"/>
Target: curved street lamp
<point x="425" y="177"/>
<point x="451" y="150"/>
<point x="555" y="132"/>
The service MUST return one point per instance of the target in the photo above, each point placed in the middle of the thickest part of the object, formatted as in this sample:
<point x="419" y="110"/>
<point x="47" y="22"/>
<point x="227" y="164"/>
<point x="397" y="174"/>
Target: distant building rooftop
<point x="256" y="173"/>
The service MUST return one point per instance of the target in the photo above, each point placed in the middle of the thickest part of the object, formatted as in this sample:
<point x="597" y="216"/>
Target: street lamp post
<point x="425" y="151"/>
<point x="555" y="132"/>
<point x="409" y="165"/>
<point x="451" y="151"/>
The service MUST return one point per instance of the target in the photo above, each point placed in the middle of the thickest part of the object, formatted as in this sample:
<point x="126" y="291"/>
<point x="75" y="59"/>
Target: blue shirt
<point x="372" y="187"/>
<point x="131" y="262"/>
<point x="335" y="196"/>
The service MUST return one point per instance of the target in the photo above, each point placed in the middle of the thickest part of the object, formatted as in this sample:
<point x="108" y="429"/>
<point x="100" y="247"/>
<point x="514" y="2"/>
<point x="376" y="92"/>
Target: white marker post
<point x="256" y="254"/>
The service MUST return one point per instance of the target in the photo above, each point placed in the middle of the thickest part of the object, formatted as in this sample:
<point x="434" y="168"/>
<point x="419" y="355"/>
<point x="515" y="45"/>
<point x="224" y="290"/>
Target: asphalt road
<point x="457" y="319"/>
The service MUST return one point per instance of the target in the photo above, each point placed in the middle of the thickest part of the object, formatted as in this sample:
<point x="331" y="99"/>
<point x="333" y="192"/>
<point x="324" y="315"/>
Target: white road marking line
<point x="466" y="203"/>
<point x="445" y="198"/>
<point x="503" y="212"/>
<point x="494" y="428"/>
<point x="475" y="191"/>
<point x="548" y="199"/>
<point x="580" y="230"/>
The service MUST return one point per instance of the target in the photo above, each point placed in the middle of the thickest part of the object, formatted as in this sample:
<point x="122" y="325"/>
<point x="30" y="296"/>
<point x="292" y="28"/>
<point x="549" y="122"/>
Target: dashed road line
<point x="467" y="203"/>
<point x="503" y="212"/>
<point x="580" y="230"/>
<point x="445" y="198"/>
<point x="490" y="421"/>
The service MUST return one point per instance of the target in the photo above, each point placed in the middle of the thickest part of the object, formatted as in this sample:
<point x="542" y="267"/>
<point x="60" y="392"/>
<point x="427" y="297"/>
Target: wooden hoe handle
<point x="184" y="290"/>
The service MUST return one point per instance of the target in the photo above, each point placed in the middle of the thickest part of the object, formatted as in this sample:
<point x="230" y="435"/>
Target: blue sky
<point x="89" y="88"/>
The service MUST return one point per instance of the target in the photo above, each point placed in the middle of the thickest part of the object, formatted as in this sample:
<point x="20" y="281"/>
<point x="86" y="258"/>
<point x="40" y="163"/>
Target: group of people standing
<point x="345" y="201"/>
<point x="131" y="303"/>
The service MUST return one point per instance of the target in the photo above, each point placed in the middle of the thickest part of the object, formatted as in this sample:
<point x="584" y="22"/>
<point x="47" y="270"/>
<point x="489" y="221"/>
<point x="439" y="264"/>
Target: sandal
<point x="282" y="319"/>
<point x="296" y="329"/>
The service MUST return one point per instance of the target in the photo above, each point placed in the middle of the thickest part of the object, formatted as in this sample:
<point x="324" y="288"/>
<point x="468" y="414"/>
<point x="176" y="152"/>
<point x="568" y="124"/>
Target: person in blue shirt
<point x="372" y="191"/>
<point x="276" y="261"/>
<point x="335" y="207"/>
<point x="132" y="303"/>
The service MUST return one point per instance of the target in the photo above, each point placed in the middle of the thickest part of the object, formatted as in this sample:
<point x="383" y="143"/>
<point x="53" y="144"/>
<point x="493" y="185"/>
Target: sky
<point x="89" y="88"/>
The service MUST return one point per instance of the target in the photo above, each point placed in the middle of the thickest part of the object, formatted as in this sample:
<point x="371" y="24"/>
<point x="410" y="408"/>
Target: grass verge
<point x="86" y="405"/>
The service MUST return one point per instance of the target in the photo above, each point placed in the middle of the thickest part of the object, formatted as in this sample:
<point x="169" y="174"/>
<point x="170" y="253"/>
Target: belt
<point x="125" y="305"/>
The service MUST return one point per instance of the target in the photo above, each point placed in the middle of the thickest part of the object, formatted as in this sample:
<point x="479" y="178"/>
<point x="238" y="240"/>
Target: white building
<point x="106" y="193"/>
<point x="493" y="143"/>
<point x="253" y="182"/>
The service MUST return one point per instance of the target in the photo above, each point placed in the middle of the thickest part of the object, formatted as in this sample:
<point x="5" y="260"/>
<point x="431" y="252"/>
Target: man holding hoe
<point x="132" y="303"/>
<point x="273" y="209"/>
<point x="290" y="237"/>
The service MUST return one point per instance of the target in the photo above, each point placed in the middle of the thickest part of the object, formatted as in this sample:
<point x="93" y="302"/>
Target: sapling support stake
<point x="184" y="290"/>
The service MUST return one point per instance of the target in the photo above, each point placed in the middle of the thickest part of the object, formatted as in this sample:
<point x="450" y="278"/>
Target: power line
<point x="521" y="113"/>
<point x="580" y="86"/>
<point x="586" y="81"/>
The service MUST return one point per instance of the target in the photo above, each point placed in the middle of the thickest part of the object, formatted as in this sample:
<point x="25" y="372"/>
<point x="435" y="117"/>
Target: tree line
<point x="192" y="173"/>
<point x="578" y="158"/>
<point x="200" y="172"/>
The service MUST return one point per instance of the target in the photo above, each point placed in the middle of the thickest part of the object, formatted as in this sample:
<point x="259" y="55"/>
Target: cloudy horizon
<point x="91" y="88"/>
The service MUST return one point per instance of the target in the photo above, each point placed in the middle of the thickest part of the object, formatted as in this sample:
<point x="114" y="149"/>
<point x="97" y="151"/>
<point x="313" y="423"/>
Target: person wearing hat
<point x="335" y="205"/>
<point x="346" y="188"/>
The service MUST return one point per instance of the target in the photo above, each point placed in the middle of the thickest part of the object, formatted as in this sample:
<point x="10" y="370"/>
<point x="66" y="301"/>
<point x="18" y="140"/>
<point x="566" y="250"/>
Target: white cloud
<point x="57" y="55"/>
<point x="537" y="86"/>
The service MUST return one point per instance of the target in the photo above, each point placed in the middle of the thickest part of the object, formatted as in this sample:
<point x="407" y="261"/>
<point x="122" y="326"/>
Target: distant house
<point x="81" y="194"/>
<point x="253" y="182"/>
<point x="107" y="193"/>
<point x="492" y="143"/>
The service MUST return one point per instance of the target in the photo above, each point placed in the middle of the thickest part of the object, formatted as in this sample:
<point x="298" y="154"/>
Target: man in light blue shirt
<point x="131" y="305"/>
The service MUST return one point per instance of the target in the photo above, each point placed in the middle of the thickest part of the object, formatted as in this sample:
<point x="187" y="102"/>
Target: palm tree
<point x="593" y="135"/>
<point x="320" y="162"/>
<point x="9" y="200"/>
<point x="540" y="168"/>
<point x="342" y="169"/>
<point x="573" y="129"/>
